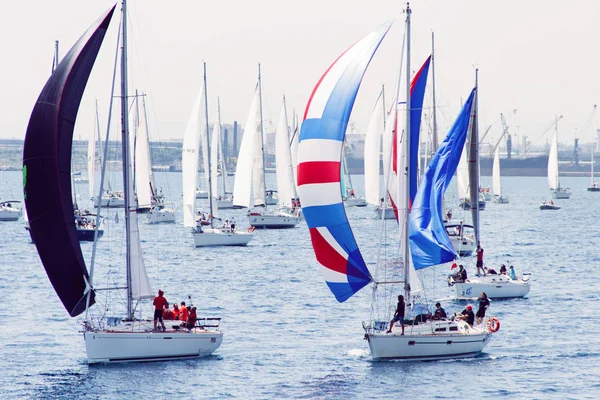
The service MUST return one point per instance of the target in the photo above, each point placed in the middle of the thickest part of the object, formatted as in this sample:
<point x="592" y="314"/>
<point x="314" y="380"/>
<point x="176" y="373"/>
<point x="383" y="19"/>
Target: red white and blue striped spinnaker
<point x="319" y="156"/>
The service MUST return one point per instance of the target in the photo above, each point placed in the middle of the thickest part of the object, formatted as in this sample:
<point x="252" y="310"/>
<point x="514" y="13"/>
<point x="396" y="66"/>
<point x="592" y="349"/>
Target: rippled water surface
<point x="285" y="334"/>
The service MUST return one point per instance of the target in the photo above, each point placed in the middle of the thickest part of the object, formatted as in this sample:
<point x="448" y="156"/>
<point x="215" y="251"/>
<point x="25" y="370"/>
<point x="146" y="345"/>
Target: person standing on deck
<point x="159" y="305"/>
<point x="480" y="270"/>
<point x="398" y="315"/>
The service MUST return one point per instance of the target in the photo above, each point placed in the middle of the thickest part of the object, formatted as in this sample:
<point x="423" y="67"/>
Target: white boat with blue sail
<point x="335" y="247"/>
<point x="47" y="192"/>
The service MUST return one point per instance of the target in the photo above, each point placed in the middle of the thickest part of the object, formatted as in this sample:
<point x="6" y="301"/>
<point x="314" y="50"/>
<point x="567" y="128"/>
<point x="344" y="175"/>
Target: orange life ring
<point x="493" y="324"/>
<point x="252" y="229"/>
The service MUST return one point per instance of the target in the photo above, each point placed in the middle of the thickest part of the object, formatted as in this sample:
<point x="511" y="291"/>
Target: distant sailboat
<point x="558" y="192"/>
<point x="497" y="181"/>
<point x="223" y="199"/>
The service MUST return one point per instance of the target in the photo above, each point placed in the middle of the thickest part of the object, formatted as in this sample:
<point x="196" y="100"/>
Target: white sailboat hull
<point x="221" y="237"/>
<point x="201" y="194"/>
<point x="156" y="216"/>
<point x="273" y="221"/>
<point x="224" y="204"/>
<point x="561" y="194"/>
<point x="271" y="201"/>
<point x="426" y="341"/>
<point x="112" y="346"/>
<point x="355" y="202"/>
<point x="389" y="212"/>
<point x="10" y="214"/>
<point x="495" y="286"/>
<point x="464" y="246"/>
<point x="116" y="201"/>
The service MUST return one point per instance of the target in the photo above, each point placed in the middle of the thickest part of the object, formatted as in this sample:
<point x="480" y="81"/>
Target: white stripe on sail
<point x="319" y="150"/>
<point x="320" y="194"/>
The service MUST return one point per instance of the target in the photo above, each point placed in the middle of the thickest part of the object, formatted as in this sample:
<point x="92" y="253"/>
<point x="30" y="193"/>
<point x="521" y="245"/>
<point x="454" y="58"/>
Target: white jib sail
<point x="553" y="164"/>
<point x="189" y="161"/>
<point x="214" y="162"/>
<point x="140" y="285"/>
<point x="142" y="163"/>
<point x="373" y="152"/>
<point x="294" y="155"/>
<point x="462" y="176"/>
<point x="285" y="178"/>
<point x="243" y="173"/>
<point x="497" y="190"/>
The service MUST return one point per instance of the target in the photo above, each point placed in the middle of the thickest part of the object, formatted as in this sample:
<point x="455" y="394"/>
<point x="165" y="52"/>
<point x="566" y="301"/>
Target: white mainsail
<point x="294" y="151"/>
<point x="496" y="189"/>
<point x="286" y="189"/>
<point x="189" y="161"/>
<point x="373" y="152"/>
<point x="214" y="162"/>
<point x="553" y="164"/>
<point x="462" y="176"/>
<point x="243" y="173"/>
<point x="143" y="170"/>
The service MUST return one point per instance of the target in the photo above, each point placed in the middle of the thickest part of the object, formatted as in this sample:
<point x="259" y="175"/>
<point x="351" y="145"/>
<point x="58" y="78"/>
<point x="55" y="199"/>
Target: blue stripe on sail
<point x="429" y="242"/>
<point x="417" y="94"/>
<point x="330" y="215"/>
<point x="321" y="128"/>
<point x="343" y="291"/>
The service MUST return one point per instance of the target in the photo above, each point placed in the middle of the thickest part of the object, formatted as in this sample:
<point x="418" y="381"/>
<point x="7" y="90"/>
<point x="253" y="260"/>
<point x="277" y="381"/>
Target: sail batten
<point x="319" y="163"/>
<point x="47" y="169"/>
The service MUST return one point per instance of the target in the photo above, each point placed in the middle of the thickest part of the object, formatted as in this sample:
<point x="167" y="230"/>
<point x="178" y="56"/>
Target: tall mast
<point x="125" y="158"/>
<point x="474" y="161"/>
<point x="207" y="136"/>
<point x="406" y="256"/>
<point x="434" y="146"/>
<point x="262" y="134"/>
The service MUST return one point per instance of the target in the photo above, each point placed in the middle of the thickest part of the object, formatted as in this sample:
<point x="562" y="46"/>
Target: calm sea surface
<point x="285" y="334"/>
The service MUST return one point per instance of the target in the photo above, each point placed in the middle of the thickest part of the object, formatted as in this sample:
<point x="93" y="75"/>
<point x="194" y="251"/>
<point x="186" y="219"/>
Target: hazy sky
<point x="538" y="57"/>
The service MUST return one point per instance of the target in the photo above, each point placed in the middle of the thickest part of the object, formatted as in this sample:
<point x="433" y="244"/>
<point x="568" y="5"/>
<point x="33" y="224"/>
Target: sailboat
<point x="223" y="198"/>
<point x="465" y="186"/>
<point x="149" y="199"/>
<point x="250" y="170"/>
<point x="349" y="196"/>
<point x="496" y="286"/>
<point x="9" y="210"/>
<point x="593" y="185"/>
<point x="47" y="192"/>
<point x="344" y="268"/>
<point x="496" y="180"/>
<point x="205" y="231"/>
<point x="558" y="192"/>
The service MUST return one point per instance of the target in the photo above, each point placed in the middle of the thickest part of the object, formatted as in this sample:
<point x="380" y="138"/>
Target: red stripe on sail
<point x="312" y="172"/>
<point x="327" y="255"/>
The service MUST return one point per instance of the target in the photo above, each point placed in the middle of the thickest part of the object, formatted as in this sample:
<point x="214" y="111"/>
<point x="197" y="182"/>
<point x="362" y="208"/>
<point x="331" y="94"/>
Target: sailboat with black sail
<point x="47" y="192"/>
<point x="333" y="242"/>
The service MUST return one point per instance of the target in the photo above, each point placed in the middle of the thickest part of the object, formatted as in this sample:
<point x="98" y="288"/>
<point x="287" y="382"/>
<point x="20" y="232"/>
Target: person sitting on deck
<point x="192" y="318"/>
<point x="467" y="315"/>
<point x="461" y="274"/>
<point x="512" y="273"/>
<point x="183" y="312"/>
<point x="439" y="312"/>
<point x="168" y="313"/>
<point x="503" y="269"/>
<point x="490" y="271"/>
<point x="175" y="311"/>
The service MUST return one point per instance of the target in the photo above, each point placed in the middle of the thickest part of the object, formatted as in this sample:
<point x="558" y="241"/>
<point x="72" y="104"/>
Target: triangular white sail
<point x="258" y="166"/>
<point x="553" y="182"/>
<point x="214" y="162"/>
<point x="143" y="170"/>
<point x="243" y="172"/>
<point x="373" y="152"/>
<point x="496" y="189"/>
<point x="294" y="151"/>
<point x="286" y="189"/>
<point x="189" y="161"/>
<point x="462" y="176"/>
<point x="139" y="285"/>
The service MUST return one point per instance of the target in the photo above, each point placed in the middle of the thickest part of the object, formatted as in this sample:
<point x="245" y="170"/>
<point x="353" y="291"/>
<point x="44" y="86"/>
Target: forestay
<point x="319" y="154"/>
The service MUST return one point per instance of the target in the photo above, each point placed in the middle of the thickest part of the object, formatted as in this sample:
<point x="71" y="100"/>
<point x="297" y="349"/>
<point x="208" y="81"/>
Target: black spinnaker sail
<point x="47" y="169"/>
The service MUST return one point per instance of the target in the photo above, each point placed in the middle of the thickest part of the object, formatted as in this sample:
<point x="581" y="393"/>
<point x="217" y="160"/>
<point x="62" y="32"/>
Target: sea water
<point x="285" y="335"/>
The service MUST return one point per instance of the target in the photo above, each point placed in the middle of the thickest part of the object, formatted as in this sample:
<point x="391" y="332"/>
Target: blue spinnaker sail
<point x="429" y="242"/>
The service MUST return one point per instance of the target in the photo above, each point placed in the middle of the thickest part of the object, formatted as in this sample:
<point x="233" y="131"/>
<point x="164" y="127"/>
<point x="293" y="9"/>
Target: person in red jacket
<point x="159" y="305"/>
<point x="183" y="312"/>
